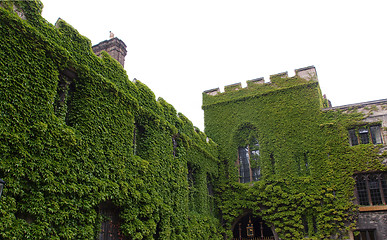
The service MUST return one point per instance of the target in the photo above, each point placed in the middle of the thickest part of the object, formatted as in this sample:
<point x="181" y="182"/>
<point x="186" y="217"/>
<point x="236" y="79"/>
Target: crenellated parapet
<point x="306" y="73"/>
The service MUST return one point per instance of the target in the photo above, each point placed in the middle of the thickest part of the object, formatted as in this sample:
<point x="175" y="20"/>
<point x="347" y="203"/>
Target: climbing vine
<point x="75" y="133"/>
<point x="306" y="187"/>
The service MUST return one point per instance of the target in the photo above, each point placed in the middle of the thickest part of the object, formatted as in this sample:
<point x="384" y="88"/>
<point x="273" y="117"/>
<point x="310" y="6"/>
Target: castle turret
<point x="115" y="47"/>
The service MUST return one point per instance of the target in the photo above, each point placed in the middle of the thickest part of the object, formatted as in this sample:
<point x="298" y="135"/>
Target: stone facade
<point x="371" y="218"/>
<point x="374" y="221"/>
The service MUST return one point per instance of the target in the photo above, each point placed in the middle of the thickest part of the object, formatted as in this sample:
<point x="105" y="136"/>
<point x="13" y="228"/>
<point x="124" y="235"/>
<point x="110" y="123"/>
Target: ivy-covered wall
<point x="306" y="188"/>
<point x="76" y="133"/>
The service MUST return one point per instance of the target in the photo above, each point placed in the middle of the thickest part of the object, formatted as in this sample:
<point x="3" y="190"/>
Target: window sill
<point x="373" y="208"/>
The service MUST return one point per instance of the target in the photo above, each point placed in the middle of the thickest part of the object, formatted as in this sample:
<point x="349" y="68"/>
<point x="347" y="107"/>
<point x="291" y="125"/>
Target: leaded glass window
<point x="244" y="164"/>
<point x="371" y="188"/>
<point x="249" y="167"/>
<point x="365" y="135"/>
<point x="376" y="135"/>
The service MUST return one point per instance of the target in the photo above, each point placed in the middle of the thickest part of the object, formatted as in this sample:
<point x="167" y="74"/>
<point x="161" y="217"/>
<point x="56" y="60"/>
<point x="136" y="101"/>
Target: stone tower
<point x="115" y="47"/>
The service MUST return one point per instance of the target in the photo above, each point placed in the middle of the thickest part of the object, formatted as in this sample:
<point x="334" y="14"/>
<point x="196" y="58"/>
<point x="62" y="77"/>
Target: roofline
<point x="361" y="104"/>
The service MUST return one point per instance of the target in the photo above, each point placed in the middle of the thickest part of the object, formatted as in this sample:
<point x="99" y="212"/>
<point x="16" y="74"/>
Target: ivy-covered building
<point x="294" y="166"/>
<point x="85" y="152"/>
<point x="89" y="154"/>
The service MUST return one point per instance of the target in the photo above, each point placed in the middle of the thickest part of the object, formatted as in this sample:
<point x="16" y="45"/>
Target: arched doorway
<point x="249" y="227"/>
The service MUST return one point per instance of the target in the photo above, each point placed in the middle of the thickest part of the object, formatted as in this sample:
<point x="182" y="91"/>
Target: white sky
<point x="180" y="48"/>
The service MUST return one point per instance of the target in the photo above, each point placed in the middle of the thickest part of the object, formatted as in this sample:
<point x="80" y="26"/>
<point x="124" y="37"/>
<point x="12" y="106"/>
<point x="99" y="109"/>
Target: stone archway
<point x="262" y="231"/>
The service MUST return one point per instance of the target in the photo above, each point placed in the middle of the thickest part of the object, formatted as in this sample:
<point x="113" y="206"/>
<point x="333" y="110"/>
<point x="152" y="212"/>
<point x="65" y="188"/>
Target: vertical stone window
<point x="376" y="135"/>
<point x="138" y="132"/>
<point x="305" y="224"/>
<point x="174" y="143"/>
<point x="363" y="135"/>
<point x="306" y="162"/>
<point x="190" y="176"/>
<point x="134" y="139"/>
<point x="310" y="224"/>
<point x="272" y="161"/>
<point x="210" y="188"/>
<point x="110" y="227"/>
<point x="63" y="99"/>
<point x="353" y="137"/>
<point x="302" y="163"/>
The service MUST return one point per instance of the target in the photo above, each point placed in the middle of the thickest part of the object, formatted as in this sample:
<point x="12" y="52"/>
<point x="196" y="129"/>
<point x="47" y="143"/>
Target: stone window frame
<point x="365" y="234"/>
<point x="365" y="135"/>
<point x="371" y="188"/>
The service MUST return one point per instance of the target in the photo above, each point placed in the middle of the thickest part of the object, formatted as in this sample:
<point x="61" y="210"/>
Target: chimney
<point x="115" y="47"/>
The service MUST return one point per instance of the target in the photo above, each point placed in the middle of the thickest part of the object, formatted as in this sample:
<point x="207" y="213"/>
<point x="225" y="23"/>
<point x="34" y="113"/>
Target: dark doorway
<point x="260" y="229"/>
<point x="110" y="227"/>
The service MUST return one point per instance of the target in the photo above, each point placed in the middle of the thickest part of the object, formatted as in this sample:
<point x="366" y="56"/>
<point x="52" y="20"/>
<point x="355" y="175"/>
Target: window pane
<point x="352" y="137"/>
<point x="254" y="149"/>
<point x="256" y="174"/>
<point x="384" y="186"/>
<point x="362" y="191"/>
<point x="363" y="134"/>
<point x="366" y="235"/>
<point x="375" y="190"/>
<point x="244" y="164"/>
<point x="371" y="234"/>
<point x="376" y="135"/>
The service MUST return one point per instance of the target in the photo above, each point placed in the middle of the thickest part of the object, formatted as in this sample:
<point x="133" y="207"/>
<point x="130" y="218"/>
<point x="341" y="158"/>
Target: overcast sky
<point x="180" y="48"/>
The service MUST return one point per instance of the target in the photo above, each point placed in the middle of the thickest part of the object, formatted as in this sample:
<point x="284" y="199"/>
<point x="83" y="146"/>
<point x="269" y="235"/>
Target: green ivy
<point x="108" y="139"/>
<point x="305" y="158"/>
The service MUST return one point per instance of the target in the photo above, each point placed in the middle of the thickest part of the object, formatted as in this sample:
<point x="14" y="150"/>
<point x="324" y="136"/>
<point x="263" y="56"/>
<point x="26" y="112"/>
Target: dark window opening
<point x="306" y="162"/>
<point x="272" y="161"/>
<point x="314" y="223"/>
<point x="365" y="135"/>
<point x="376" y="135"/>
<point x="368" y="234"/>
<point x="190" y="176"/>
<point x="352" y="137"/>
<point x="134" y="139"/>
<point x="371" y="189"/>
<point x="210" y="188"/>
<point x="305" y="224"/>
<point x="110" y="228"/>
<point x="63" y="99"/>
<point x="174" y="143"/>
<point x="310" y="224"/>
<point x="362" y="191"/>
<point x="256" y="173"/>
<point x="138" y="133"/>
<point x="252" y="227"/>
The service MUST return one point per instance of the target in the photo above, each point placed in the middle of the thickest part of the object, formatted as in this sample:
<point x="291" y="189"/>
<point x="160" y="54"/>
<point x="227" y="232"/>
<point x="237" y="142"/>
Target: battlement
<point x="306" y="73"/>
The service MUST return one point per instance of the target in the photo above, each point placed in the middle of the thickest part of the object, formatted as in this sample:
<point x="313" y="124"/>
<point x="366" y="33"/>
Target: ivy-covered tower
<point x="285" y="161"/>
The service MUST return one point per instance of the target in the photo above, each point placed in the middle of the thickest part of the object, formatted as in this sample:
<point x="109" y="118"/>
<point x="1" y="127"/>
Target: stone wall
<point x="374" y="220"/>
